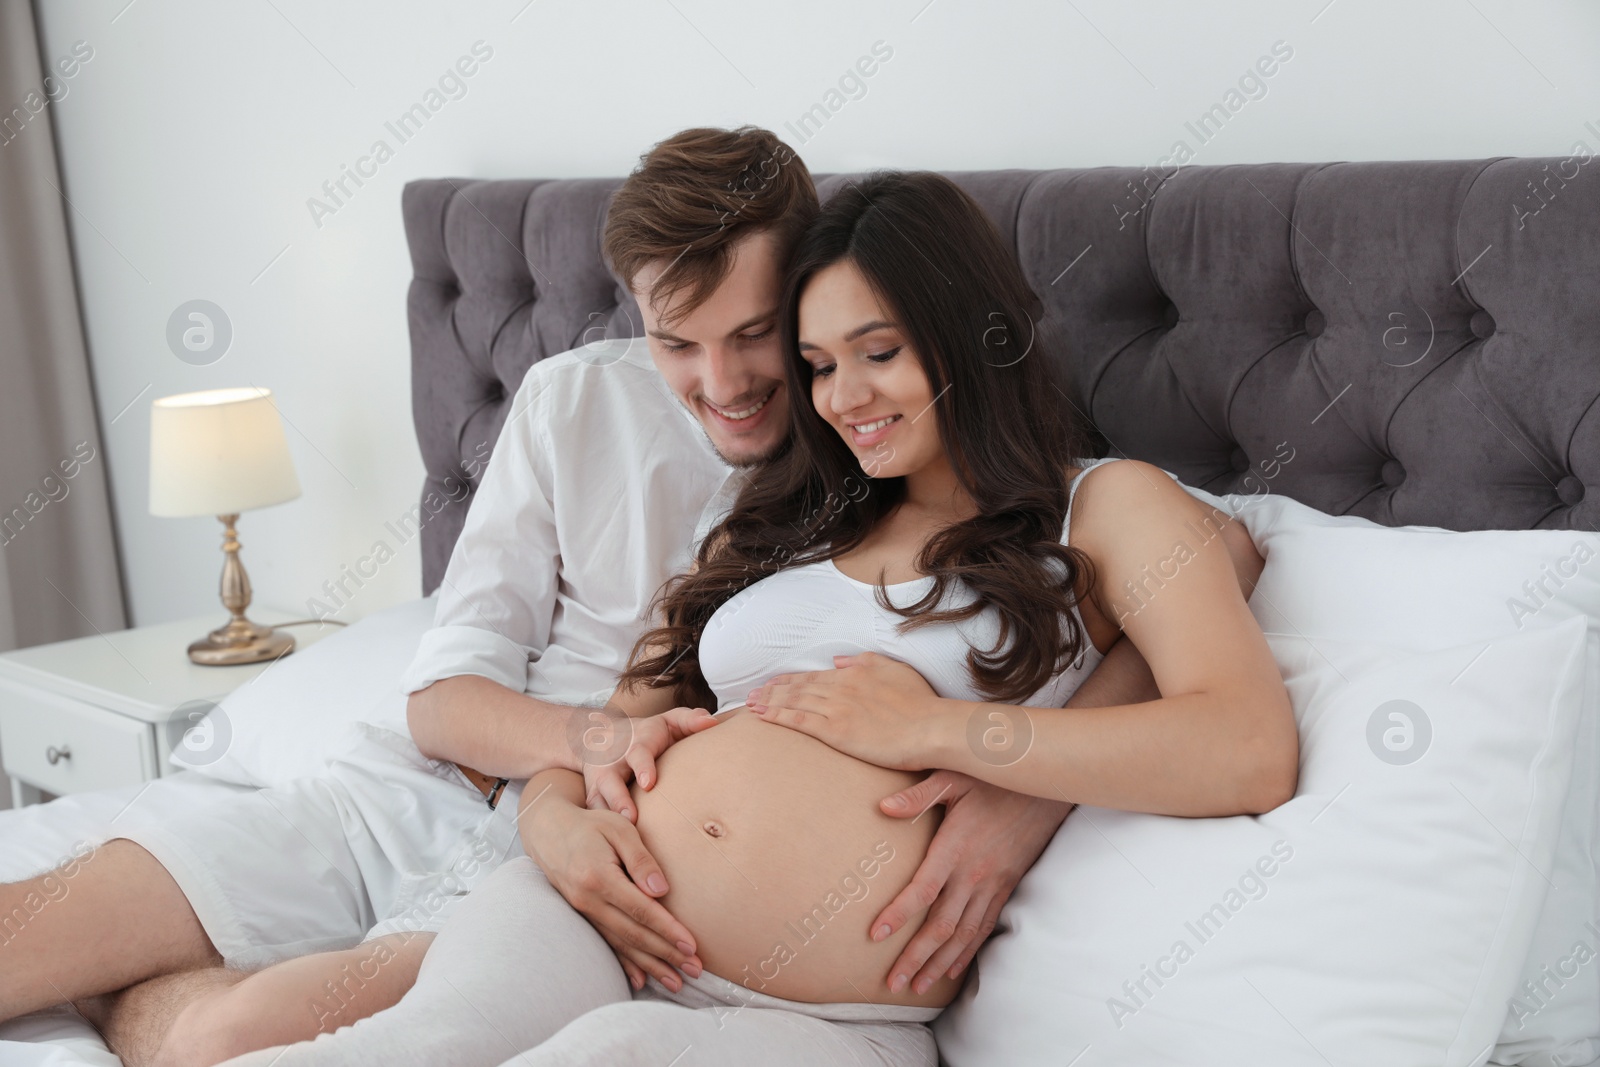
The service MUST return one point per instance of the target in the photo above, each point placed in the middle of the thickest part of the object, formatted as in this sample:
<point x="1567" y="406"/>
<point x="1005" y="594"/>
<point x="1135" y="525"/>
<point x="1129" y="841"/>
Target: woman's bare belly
<point x="779" y="860"/>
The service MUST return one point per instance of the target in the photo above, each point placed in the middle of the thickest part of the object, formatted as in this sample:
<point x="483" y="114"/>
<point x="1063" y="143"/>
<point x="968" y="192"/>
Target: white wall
<point x="194" y="137"/>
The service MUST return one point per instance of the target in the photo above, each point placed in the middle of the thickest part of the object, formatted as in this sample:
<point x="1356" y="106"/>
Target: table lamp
<point x="220" y="452"/>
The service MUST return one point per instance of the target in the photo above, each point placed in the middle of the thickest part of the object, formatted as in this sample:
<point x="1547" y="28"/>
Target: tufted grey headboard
<point x="1416" y="343"/>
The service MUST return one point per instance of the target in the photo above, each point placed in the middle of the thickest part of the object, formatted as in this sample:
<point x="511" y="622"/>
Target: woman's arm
<point x="595" y="857"/>
<point x="1221" y="740"/>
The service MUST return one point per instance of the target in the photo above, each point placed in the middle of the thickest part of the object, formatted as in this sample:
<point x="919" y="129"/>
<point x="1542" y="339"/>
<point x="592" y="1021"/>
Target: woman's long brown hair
<point x="940" y="268"/>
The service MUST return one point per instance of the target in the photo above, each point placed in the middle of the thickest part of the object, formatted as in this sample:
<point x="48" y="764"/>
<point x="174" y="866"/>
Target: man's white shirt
<point x="598" y="488"/>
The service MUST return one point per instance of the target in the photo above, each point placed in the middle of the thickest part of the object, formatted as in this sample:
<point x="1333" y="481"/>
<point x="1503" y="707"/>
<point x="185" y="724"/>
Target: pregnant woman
<point x="919" y="581"/>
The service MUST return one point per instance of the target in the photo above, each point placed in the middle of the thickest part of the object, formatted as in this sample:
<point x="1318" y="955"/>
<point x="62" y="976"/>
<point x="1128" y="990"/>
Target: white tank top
<point x="802" y="617"/>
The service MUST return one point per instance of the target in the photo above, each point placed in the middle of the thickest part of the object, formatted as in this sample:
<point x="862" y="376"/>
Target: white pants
<point x="40" y="837"/>
<point x="384" y="841"/>
<point x="517" y="977"/>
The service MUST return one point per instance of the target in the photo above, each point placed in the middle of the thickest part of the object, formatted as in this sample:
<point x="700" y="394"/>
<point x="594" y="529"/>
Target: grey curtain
<point x="59" y="575"/>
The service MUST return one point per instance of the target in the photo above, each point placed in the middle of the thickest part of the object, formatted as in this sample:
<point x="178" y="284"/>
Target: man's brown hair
<point x="697" y="193"/>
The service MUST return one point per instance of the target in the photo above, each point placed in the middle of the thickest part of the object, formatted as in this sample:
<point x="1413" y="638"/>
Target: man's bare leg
<point x="135" y="1021"/>
<point x="97" y="924"/>
<point x="203" y="1017"/>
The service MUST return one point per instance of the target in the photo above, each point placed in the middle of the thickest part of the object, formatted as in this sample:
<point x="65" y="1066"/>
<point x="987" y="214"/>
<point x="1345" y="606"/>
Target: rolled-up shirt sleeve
<point x="498" y="596"/>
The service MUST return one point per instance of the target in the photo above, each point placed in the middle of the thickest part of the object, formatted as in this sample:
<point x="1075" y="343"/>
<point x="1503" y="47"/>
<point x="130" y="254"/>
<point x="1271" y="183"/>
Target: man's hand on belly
<point x="618" y="748"/>
<point x="988" y="840"/>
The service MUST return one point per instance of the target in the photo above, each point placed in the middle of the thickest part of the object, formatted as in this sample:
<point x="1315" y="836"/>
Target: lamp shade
<point x="218" y="452"/>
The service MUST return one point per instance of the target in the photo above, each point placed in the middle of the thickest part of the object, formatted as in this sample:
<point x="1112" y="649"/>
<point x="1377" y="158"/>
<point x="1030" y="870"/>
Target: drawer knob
<point x="56" y="755"/>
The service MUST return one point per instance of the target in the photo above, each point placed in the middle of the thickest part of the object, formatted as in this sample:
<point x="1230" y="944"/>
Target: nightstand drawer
<point x="94" y="748"/>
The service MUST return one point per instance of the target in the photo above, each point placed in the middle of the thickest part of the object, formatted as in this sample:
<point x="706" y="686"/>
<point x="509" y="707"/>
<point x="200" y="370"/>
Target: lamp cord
<point x="308" y="622"/>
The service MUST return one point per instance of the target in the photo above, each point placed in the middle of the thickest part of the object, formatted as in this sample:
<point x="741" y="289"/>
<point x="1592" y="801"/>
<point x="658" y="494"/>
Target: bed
<point x="1417" y="331"/>
<point x="1418" y="335"/>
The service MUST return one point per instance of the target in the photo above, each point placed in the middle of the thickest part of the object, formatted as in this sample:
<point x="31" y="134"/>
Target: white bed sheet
<point x="33" y="840"/>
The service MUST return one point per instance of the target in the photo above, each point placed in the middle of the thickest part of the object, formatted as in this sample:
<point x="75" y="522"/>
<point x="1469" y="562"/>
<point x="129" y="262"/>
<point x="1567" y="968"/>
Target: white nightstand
<point x="103" y="711"/>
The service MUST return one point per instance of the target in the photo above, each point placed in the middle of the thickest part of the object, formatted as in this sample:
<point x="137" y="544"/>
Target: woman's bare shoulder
<point x="1126" y="481"/>
<point x="1115" y="498"/>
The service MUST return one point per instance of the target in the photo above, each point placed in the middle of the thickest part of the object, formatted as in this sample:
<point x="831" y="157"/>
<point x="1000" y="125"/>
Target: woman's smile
<point x="867" y="433"/>
<point x="866" y="378"/>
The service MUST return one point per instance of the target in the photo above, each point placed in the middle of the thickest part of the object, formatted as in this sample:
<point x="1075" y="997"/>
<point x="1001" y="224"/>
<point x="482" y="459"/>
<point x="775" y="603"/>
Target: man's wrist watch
<point x="491" y="788"/>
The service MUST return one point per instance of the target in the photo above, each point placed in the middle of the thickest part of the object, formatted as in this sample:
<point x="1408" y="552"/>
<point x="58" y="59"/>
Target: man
<point x="592" y="497"/>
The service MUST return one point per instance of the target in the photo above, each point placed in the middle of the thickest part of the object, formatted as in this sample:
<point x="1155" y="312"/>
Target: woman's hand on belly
<point x="871" y="707"/>
<point x="599" y="863"/>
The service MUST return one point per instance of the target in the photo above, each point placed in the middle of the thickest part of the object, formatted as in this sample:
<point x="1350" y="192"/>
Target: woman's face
<point x="866" y="380"/>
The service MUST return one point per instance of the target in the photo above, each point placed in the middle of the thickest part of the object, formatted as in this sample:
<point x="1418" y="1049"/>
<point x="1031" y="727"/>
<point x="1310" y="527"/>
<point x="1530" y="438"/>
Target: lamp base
<point x="240" y="641"/>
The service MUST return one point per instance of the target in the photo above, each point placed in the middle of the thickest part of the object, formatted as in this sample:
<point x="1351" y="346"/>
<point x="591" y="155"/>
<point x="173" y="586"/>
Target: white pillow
<point x="285" y="723"/>
<point x="1421" y="587"/>
<point x="1379" y="917"/>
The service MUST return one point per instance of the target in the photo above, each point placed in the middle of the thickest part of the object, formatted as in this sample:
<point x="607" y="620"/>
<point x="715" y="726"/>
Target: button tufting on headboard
<point x="1484" y="378"/>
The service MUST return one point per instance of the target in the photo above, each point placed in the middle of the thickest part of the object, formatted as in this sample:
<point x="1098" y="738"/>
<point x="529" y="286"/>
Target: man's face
<point x="723" y="359"/>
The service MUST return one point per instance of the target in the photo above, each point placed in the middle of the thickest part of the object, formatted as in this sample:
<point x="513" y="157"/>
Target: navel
<point x="713" y="828"/>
